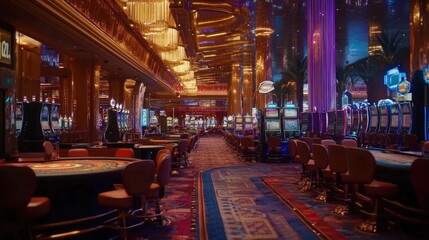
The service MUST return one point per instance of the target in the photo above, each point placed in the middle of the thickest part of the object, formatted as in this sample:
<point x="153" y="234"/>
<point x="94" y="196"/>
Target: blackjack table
<point x="72" y="184"/>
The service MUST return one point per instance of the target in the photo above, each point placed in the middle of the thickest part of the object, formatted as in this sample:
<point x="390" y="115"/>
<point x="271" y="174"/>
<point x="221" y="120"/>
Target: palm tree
<point x="372" y="68"/>
<point x="281" y="88"/>
<point x="344" y="76"/>
<point x="296" y="71"/>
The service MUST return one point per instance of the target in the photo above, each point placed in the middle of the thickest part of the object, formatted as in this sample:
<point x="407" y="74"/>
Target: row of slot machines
<point x="36" y="122"/>
<point x="283" y="122"/>
<point x="385" y="117"/>
<point x="242" y="124"/>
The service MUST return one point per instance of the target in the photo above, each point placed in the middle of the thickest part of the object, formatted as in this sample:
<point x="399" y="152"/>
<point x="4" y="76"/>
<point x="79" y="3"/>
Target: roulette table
<point x="72" y="184"/>
<point x="77" y="167"/>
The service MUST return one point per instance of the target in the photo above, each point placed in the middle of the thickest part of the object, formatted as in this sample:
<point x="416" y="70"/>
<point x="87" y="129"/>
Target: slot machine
<point x="341" y="123"/>
<point x="44" y="118"/>
<point x="238" y="124"/>
<point x="323" y="118"/>
<point x="248" y="125"/>
<point x="395" y="125"/>
<point x="230" y="124"/>
<point x="304" y="123"/>
<point x="290" y="121"/>
<point x="406" y="117"/>
<point x="19" y="116"/>
<point x="55" y="118"/>
<point x="272" y="121"/>
<point x="355" y="120"/>
<point x="316" y="124"/>
<point x="374" y="118"/>
<point x="384" y="111"/>
<point x="364" y="118"/>
<point x="348" y="120"/>
<point x="331" y="119"/>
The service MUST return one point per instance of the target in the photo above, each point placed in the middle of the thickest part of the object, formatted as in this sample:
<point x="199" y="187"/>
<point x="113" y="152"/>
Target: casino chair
<point x="327" y="142"/>
<point x="415" y="213"/>
<point x="124" y="152"/>
<point x="78" y="152"/>
<point x="274" y="148"/>
<point x="18" y="209"/>
<point x="304" y="157"/>
<point x="348" y="142"/>
<point x="179" y="156"/>
<point x="157" y="191"/>
<point x="292" y="149"/>
<point x="367" y="190"/>
<point x="137" y="178"/>
<point x="321" y="160"/>
<point x="409" y="143"/>
<point x="338" y="174"/>
<point x="248" y="151"/>
<point x="49" y="151"/>
<point x="425" y="147"/>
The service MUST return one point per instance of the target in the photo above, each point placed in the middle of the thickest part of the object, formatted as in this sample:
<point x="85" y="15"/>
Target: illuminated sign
<point x="404" y="87"/>
<point x="266" y="87"/>
<point x="6" y="47"/>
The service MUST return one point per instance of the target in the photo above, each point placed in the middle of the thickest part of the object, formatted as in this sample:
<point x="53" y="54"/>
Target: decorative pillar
<point x="66" y="90"/>
<point x="116" y="89"/>
<point x="248" y="92"/>
<point x="138" y="100"/>
<point x="263" y="64"/>
<point x="321" y="55"/>
<point x="234" y="89"/>
<point x="85" y="83"/>
<point x="28" y="72"/>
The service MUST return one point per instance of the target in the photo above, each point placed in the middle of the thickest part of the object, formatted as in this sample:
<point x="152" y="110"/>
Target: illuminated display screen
<point x="248" y="120"/>
<point x="374" y="120"/>
<point x="383" y="121"/>
<point x="239" y="127"/>
<point x="394" y="110"/>
<point x="238" y="119"/>
<point x="290" y="112"/>
<point x="273" y="125"/>
<point x="394" y="121"/>
<point x="383" y="110"/>
<point x="406" y="120"/>
<point x="271" y="113"/>
<point x="291" y="125"/>
<point x="248" y="126"/>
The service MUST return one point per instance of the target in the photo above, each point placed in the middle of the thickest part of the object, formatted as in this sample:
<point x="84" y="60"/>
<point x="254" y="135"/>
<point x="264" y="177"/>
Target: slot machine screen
<point x="383" y="121"/>
<point x="55" y="117"/>
<point x="273" y="125"/>
<point x="374" y="120"/>
<point x="44" y="117"/>
<point x="405" y="108"/>
<point x="406" y="120"/>
<point x="271" y="113"/>
<point x="239" y="127"/>
<point x="291" y="125"/>
<point x="238" y="120"/>
<point x="290" y="112"/>
<point x="248" y="120"/>
<point x="394" y="121"/>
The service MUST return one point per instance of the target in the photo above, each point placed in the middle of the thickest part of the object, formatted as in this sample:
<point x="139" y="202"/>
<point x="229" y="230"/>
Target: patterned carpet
<point x="220" y="197"/>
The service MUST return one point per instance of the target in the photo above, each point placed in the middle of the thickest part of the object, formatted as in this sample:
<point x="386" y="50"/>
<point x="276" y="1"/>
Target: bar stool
<point x="124" y="152"/>
<point x="78" y="152"/>
<point x="361" y="165"/>
<point x="321" y="158"/>
<point x="338" y="172"/>
<point x="137" y="178"/>
<point x="308" y="166"/>
<point x="17" y="206"/>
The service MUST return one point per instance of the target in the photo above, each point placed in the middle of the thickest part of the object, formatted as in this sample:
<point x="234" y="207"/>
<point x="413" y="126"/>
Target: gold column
<point x="263" y="65"/>
<point x="234" y="90"/>
<point x="419" y="34"/>
<point x="66" y="91"/>
<point x="85" y="82"/>
<point x="248" y="92"/>
<point x="128" y="93"/>
<point x="116" y="86"/>
<point x="28" y="72"/>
